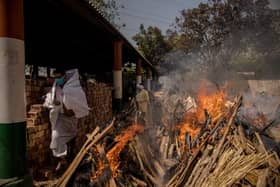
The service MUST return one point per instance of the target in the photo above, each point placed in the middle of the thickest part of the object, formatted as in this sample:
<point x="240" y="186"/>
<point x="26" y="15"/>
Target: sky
<point x="160" y="13"/>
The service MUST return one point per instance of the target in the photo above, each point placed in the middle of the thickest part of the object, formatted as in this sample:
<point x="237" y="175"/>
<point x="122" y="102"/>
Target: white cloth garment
<point x="64" y="128"/>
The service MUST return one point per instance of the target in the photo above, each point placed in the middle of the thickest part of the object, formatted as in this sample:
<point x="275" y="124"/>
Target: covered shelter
<point x="71" y="33"/>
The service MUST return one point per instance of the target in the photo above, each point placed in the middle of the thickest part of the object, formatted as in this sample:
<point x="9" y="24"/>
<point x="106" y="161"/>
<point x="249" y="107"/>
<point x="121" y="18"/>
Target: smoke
<point x="243" y="56"/>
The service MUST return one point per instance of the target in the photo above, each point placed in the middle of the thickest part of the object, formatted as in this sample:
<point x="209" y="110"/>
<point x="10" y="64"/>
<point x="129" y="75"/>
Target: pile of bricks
<point x="34" y="90"/>
<point x="99" y="97"/>
<point x="38" y="138"/>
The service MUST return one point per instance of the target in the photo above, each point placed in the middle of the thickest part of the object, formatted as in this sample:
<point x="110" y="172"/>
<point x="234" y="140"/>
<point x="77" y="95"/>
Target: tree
<point x="222" y="29"/>
<point x="151" y="43"/>
<point x="109" y="9"/>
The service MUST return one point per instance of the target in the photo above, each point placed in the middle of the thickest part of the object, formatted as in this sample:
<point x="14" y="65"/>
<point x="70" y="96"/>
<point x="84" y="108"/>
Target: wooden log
<point x="144" y="154"/>
<point x="229" y="125"/>
<point x="197" y="171"/>
<point x="262" y="180"/>
<point x="138" y="156"/>
<point x="183" y="169"/>
<point x="178" y="150"/>
<point x="49" y="183"/>
<point x="159" y="169"/>
<point x="162" y="145"/>
<point x="182" y="175"/>
<point x="165" y="148"/>
<point x="139" y="182"/>
<point x="171" y="151"/>
<point x="221" y="144"/>
<point x="154" y="180"/>
<point x="133" y="147"/>
<point x="274" y="160"/>
<point x="112" y="182"/>
<point x="92" y="139"/>
<point x="170" y="162"/>
<point x="188" y="142"/>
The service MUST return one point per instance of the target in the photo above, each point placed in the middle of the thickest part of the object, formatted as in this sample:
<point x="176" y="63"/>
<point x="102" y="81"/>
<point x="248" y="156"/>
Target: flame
<point x="189" y="127"/>
<point x="101" y="167"/>
<point x="212" y="101"/>
<point x="122" y="140"/>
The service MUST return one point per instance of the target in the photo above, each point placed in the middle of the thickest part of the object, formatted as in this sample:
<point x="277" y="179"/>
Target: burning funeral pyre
<point x="206" y="140"/>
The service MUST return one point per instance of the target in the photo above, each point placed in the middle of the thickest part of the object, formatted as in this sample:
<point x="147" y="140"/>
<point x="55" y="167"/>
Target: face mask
<point x="59" y="81"/>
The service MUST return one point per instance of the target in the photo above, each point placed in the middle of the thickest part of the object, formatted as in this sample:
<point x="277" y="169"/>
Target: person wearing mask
<point x="142" y="99"/>
<point x="67" y="103"/>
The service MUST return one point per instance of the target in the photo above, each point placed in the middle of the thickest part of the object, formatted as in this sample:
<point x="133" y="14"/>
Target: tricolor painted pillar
<point x="138" y="71"/>
<point x="149" y="79"/>
<point x="117" y="72"/>
<point x="12" y="88"/>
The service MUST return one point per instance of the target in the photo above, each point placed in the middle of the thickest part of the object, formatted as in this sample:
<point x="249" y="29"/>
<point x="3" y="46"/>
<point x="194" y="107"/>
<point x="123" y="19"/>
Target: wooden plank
<point x="171" y="151"/>
<point x="63" y="180"/>
<point x="262" y="180"/>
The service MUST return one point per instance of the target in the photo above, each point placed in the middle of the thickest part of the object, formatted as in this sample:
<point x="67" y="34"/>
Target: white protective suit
<point x="64" y="128"/>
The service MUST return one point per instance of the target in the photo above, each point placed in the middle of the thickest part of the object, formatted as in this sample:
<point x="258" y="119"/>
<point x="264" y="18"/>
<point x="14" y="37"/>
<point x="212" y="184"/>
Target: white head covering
<point x="139" y="86"/>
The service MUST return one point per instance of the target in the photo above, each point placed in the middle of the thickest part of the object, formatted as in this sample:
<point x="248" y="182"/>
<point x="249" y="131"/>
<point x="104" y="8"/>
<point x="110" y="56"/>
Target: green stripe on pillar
<point x="12" y="150"/>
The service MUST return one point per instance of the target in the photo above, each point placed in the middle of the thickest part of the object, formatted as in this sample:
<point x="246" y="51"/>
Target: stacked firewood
<point x="227" y="156"/>
<point x="223" y="152"/>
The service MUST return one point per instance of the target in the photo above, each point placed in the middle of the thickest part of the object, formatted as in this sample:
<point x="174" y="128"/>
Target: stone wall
<point x="271" y="87"/>
<point x="39" y="129"/>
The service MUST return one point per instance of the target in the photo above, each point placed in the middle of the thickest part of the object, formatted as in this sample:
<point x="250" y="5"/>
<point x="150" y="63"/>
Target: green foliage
<point x="108" y="8"/>
<point x="152" y="44"/>
<point x="215" y="21"/>
<point x="219" y="31"/>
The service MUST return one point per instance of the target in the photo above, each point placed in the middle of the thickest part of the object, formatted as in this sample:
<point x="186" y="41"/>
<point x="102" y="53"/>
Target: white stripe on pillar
<point x="117" y="75"/>
<point x="12" y="82"/>
<point x="149" y="84"/>
<point x="138" y="79"/>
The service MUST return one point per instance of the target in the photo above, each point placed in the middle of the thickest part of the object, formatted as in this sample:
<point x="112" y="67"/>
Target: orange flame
<point x="122" y="139"/>
<point x="212" y="101"/>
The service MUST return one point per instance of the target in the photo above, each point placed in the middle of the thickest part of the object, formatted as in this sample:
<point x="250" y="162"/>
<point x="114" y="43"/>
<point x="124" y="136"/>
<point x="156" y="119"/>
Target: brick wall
<point x="38" y="127"/>
<point x="35" y="89"/>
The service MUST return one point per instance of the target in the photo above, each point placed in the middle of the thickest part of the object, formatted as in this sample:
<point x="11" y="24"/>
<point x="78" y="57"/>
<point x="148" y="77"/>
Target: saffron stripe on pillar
<point x="138" y="71"/>
<point x="117" y="69"/>
<point x="12" y="83"/>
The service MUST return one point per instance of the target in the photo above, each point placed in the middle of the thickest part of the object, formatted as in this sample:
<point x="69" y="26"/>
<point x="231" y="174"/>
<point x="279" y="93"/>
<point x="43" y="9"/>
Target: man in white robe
<point x="67" y="103"/>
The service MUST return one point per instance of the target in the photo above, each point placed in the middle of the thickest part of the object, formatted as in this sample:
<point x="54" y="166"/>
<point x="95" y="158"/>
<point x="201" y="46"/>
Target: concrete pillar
<point x="12" y="84"/>
<point x="138" y="71"/>
<point x="117" y="73"/>
<point x="149" y="79"/>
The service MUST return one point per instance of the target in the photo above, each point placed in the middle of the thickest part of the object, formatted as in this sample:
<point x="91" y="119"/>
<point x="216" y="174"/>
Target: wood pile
<point x="228" y="157"/>
<point x="223" y="152"/>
